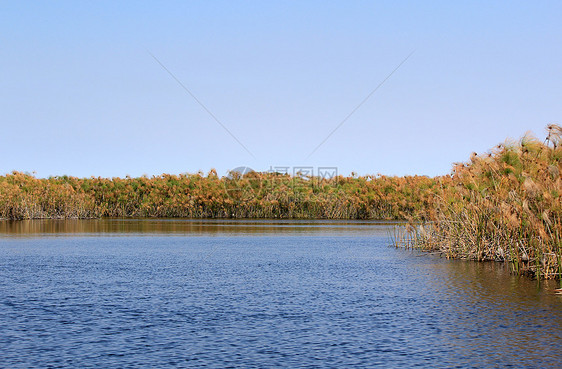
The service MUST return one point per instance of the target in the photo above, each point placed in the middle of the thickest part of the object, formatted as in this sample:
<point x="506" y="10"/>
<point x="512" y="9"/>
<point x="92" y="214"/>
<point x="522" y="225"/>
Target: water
<point x="181" y="293"/>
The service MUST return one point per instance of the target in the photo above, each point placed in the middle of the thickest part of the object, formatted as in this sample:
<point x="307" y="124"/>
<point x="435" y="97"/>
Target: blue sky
<point x="81" y="95"/>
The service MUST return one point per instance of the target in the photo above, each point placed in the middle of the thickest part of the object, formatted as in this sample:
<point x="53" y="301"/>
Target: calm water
<point x="180" y="293"/>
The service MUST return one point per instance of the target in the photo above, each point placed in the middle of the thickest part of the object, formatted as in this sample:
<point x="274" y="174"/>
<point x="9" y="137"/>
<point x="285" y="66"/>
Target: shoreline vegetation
<point x="503" y="205"/>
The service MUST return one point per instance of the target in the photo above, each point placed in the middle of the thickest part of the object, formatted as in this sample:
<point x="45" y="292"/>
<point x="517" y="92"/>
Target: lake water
<point x="186" y="293"/>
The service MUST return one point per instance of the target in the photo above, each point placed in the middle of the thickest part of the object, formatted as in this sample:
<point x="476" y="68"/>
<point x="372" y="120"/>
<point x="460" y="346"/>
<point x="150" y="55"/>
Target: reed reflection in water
<point x="189" y="227"/>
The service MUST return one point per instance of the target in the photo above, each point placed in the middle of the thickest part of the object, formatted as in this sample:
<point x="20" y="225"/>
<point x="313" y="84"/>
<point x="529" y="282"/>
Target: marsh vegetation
<point x="502" y="205"/>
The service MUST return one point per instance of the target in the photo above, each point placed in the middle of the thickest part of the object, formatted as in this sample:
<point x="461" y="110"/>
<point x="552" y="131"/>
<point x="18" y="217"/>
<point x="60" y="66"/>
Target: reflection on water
<point x="501" y="314"/>
<point x="278" y="294"/>
<point x="188" y="227"/>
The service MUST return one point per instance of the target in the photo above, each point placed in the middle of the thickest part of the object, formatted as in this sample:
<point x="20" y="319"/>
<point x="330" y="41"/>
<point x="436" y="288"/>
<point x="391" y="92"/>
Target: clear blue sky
<point x="81" y="95"/>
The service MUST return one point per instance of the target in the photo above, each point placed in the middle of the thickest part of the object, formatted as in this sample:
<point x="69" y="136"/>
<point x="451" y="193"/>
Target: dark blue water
<point x="160" y="294"/>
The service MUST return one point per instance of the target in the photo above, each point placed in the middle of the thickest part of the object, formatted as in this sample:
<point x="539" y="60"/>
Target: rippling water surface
<point x="184" y="293"/>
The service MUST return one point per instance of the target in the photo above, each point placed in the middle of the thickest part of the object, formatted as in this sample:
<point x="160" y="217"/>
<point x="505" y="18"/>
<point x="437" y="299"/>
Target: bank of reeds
<point x="503" y="205"/>
<point x="255" y="195"/>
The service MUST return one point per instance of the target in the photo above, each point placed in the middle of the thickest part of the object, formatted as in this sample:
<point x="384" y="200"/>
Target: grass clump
<point x="503" y="205"/>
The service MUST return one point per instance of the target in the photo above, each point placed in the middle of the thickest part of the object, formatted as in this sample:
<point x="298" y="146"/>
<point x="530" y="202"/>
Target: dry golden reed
<point x="503" y="205"/>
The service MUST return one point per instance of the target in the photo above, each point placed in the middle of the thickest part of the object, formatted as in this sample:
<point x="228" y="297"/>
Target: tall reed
<point x="503" y="205"/>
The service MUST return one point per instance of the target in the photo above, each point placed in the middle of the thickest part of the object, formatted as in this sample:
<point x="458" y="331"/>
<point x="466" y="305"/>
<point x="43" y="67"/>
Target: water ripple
<point x="265" y="300"/>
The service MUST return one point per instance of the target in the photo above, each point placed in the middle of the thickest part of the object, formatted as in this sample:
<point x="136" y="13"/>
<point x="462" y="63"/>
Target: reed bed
<point x="504" y="205"/>
<point x="257" y="195"/>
